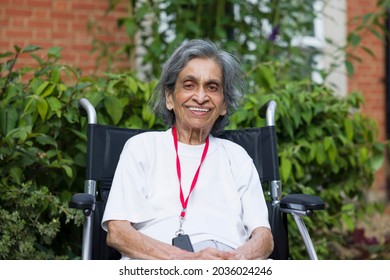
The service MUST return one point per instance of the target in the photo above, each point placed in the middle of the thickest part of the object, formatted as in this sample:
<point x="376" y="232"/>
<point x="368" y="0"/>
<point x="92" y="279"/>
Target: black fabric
<point x="278" y="222"/>
<point x="105" y="145"/>
<point x="100" y="250"/>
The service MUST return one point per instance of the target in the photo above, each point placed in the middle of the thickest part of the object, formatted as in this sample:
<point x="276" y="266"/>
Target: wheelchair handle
<point x="87" y="109"/>
<point x="267" y="111"/>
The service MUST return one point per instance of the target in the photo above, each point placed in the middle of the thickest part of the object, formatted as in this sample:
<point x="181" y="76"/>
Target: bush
<point x="326" y="148"/>
<point x="39" y="165"/>
<point x="43" y="148"/>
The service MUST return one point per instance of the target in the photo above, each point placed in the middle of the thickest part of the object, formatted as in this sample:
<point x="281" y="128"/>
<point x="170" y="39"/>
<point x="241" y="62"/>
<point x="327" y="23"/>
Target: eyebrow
<point x="192" y="77"/>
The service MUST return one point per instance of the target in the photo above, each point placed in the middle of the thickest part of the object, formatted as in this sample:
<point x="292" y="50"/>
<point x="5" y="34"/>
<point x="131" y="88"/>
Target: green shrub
<point x="38" y="164"/>
<point x="43" y="147"/>
<point x="326" y="148"/>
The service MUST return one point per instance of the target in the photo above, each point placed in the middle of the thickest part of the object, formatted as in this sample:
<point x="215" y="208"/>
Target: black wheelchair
<point x="105" y="143"/>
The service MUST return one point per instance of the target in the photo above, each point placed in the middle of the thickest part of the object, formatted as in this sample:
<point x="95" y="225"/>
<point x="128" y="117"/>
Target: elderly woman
<point x="184" y="193"/>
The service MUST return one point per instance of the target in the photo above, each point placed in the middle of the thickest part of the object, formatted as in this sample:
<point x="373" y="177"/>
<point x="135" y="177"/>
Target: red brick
<point x="39" y="24"/>
<point x="41" y="13"/>
<point x="17" y="22"/>
<point x="63" y="15"/>
<point x="16" y="12"/>
<point x="62" y="5"/>
<point x="14" y="33"/>
<point x="39" y="3"/>
<point x="39" y="35"/>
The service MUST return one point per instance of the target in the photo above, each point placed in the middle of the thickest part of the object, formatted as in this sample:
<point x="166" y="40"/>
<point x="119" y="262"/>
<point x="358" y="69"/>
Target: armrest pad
<point x="302" y="202"/>
<point x="82" y="201"/>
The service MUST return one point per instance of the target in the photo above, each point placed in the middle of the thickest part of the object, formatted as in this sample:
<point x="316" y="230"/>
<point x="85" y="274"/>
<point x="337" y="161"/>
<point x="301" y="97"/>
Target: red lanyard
<point x="206" y="147"/>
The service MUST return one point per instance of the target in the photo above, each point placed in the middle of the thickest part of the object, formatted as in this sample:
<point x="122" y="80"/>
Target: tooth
<point x="198" y="109"/>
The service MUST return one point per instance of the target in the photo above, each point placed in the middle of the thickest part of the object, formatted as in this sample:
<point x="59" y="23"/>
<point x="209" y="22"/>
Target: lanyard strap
<point x="183" y="201"/>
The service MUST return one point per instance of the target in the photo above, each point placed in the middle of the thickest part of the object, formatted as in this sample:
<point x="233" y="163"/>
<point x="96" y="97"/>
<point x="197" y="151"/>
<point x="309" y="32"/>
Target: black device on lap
<point x="183" y="241"/>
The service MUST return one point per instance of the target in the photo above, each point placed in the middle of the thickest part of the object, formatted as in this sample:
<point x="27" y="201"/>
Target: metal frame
<point x="89" y="188"/>
<point x="276" y="195"/>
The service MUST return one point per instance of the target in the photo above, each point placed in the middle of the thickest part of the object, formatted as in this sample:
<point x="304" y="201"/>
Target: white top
<point x="226" y="205"/>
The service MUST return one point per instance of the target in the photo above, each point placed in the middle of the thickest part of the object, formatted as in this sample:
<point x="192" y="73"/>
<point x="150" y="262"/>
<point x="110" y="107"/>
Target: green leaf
<point x="285" y="169"/>
<point x="68" y="170"/>
<point x="146" y="113"/>
<point x="111" y="86"/>
<point x="354" y="39"/>
<point x="134" y="122"/>
<point x="54" y="52"/>
<point x="55" y="76"/>
<point x="17" y="174"/>
<point x="48" y="90"/>
<point x="377" y="162"/>
<point x="46" y="140"/>
<point x="17" y="48"/>
<point x="348" y="221"/>
<point x="79" y="134"/>
<point x="332" y="153"/>
<point x="328" y="141"/>
<point x="21" y="133"/>
<point x="69" y="70"/>
<point x="30" y="106"/>
<point x="350" y="68"/>
<point x="6" y="54"/>
<point x="8" y="120"/>
<point x="37" y="58"/>
<point x="267" y="76"/>
<point x="348" y="207"/>
<point x="377" y="34"/>
<point x="307" y="116"/>
<point x="30" y="48"/>
<point x="368" y="51"/>
<point x="43" y="107"/>
<point x="41" y="88"/>
<point x="130" y="26"/>
<point x="132" y="84"/>
<point x="363" y="155"/>
<point x="55" y="105"/>
<point x="143" y="87"/>
<point x="114" y="108"/>
<point x="299" y="171"/>
<point x="348" y="128"/>
<point x="320" y="154"/>
<point x="61" y="87"/>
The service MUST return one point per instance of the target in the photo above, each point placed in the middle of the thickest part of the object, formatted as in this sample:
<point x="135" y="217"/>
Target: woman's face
<point x="198" y="98"/>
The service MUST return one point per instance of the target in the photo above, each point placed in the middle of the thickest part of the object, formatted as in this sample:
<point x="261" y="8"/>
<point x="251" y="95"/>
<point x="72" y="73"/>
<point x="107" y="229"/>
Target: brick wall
<point x="63" y="23"/>
<point x="369" y="78"/>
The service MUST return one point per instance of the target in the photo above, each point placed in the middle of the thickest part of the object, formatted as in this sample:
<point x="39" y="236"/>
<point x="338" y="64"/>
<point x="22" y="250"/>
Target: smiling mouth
<point x="196" y="109"/>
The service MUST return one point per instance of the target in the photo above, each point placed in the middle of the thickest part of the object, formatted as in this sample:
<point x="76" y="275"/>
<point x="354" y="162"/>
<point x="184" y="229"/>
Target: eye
<point x="189" y="85"/>
<point x="213" y="87"/>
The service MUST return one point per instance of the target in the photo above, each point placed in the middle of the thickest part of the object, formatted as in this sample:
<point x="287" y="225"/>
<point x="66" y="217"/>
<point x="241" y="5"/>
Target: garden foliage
<point x="326" y="146"/>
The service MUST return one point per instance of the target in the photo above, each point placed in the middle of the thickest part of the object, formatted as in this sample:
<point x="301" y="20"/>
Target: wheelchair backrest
<point x="105" y="145"/>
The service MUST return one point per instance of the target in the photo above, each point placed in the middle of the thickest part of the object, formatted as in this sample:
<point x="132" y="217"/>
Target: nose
<point x="201" y="96"/>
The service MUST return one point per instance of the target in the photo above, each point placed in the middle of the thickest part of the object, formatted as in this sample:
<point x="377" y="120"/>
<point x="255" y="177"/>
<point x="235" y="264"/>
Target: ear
<point x="224" y="109"/>
<point x="168" y="100"/>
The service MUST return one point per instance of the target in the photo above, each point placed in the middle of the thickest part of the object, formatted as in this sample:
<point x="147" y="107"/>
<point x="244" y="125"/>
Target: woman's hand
<point x="207" y="254"/>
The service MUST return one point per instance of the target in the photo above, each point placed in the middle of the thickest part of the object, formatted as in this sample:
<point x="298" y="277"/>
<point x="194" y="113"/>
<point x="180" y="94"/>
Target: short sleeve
<point x="255" y="211"/>
<point x="128" y="195"/>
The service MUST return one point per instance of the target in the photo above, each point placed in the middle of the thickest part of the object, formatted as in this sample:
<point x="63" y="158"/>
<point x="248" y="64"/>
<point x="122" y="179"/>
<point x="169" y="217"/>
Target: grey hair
<point x="233" y="79"/>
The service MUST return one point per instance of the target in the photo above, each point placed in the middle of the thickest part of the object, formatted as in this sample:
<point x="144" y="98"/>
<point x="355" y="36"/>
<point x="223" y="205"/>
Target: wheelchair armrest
<point x="83" y="201"/>
<point x="302" y="202"/>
